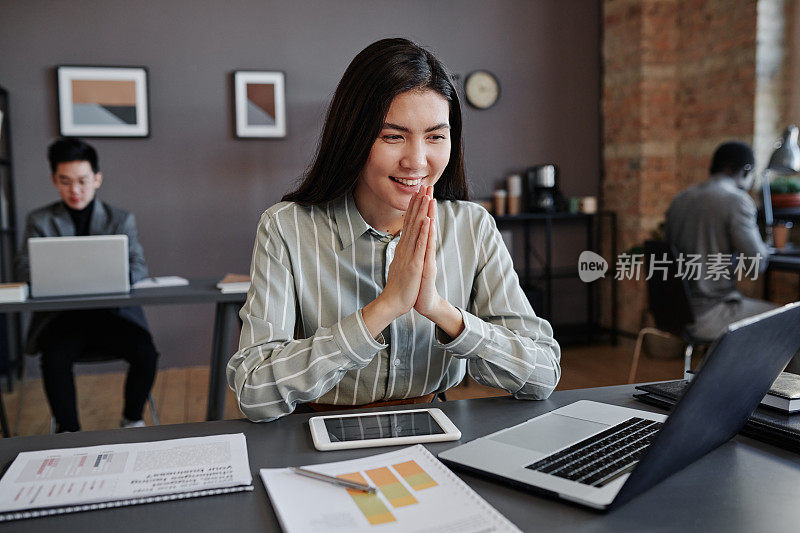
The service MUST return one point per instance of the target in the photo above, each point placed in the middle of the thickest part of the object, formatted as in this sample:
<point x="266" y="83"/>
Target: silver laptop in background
<point x="602" y="455"/>
<point x="73" y="266"/>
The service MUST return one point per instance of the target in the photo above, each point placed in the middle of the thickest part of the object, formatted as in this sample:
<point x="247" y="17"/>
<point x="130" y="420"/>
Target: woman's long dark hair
<point x="355" y="117"/>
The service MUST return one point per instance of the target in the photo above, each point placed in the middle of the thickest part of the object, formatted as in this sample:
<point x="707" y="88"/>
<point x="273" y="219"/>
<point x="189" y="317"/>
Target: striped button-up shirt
<point x="303" y="337"/>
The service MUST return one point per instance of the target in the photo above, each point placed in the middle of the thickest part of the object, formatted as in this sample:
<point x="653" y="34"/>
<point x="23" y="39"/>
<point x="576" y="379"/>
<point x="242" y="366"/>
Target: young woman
<point x="375" y="280"/>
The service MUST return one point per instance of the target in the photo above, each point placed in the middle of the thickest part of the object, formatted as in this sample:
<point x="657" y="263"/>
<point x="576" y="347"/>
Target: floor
<point x="180" y="393"/>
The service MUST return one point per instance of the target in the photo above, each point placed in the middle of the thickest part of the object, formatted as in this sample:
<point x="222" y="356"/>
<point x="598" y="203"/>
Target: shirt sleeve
<point x="506" y="345"/>
<point x="272" y="371"/>
<point x="136" y="261"/>
<point x="745" y="236"/>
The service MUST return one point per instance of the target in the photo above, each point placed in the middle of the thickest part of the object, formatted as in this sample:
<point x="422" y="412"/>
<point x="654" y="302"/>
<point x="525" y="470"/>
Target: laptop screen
<point x="70" y="266"/>
<point x="731" y="381"/>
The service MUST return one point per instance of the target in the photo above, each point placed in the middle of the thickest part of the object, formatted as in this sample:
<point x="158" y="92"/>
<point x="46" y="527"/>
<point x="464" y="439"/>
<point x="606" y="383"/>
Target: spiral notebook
<point x="68" y="480"/>
<point x="416" y="492"/>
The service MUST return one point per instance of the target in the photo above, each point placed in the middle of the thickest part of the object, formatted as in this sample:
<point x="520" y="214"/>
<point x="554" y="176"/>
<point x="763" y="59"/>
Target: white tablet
<point x="389" y="428"/>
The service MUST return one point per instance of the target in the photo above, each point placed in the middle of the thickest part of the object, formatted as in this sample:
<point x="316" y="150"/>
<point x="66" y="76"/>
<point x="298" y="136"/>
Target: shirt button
<point x="396" y="361"/>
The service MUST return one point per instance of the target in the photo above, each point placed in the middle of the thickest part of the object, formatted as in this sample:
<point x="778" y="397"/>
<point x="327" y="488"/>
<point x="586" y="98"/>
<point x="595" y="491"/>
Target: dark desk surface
<point x="198" y="291"/>
<point x="744" y="485"/>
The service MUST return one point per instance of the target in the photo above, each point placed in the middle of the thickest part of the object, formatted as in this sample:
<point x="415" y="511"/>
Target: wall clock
<point x="481" y="89"/>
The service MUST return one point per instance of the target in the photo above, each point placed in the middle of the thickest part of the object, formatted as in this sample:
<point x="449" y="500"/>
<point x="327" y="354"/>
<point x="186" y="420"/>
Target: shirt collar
<point x="724" y="180"/>
<point x="349" y="221"/>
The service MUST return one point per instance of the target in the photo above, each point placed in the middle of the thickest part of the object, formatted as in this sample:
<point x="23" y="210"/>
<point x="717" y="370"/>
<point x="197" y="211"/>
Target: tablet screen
<point x="381" y="426"/>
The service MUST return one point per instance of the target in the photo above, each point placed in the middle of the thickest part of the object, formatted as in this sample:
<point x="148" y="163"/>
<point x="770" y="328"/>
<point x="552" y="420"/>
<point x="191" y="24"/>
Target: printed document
<point x="416" y="493"/>
<point x="127" y="473"/>
<point x="160" y="281"/>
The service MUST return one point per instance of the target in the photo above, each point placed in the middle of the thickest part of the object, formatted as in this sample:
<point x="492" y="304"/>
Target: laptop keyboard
<point x="603" y="457"/>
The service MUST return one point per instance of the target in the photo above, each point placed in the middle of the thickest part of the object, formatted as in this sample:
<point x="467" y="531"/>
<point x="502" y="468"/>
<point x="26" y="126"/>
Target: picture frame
<point x="260" y="104"/>
<point x="103" y="101"/>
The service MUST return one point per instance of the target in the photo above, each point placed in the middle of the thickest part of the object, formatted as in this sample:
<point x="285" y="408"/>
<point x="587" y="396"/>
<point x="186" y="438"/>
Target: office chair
<point x="669" y="304"/>
<point x="90" y="357"/>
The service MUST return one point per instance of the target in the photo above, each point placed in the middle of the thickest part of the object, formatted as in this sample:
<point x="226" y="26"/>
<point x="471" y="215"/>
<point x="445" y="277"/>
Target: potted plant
<point x="785" y="192"/>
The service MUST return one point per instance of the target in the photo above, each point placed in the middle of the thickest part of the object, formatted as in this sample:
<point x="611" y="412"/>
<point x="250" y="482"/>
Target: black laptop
<point x="603" y="455"/>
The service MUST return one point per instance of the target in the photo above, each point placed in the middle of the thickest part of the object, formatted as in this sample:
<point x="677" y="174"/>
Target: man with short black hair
<point x="716" y="220"/>
<point x="64" y="337"/>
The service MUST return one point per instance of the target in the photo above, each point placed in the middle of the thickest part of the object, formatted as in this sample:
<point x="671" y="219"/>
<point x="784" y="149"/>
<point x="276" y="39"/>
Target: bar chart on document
<point x="70" y="475"/>
<point x="415" y="492"/>
<point x="387" y="480"/>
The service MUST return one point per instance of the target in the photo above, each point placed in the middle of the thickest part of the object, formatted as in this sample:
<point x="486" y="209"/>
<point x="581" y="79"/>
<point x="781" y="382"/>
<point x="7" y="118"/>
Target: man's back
<point x="714" y="217"/>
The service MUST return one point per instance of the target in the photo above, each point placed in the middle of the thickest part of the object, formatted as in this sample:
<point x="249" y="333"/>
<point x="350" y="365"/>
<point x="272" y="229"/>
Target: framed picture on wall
<point x="260" y="102"/>
<point x="103" y="101"/>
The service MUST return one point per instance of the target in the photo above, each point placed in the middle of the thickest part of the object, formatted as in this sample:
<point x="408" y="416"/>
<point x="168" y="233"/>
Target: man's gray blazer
<point x="54" y="221"/>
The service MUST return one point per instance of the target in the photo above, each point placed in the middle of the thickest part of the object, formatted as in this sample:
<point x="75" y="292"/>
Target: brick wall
<point x="784" y="85"/>
<point x="679" y="79"/>
<point x="791" y="85"/>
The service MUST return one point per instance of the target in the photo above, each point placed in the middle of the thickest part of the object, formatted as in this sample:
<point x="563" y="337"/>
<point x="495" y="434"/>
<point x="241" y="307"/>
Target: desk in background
<point x="783" y="263"/>
<point x="197" y="292"/>
<point x="744" y="485"/>
<point x="778" y="261"/>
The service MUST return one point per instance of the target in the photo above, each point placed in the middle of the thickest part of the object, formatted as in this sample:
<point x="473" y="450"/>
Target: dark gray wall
<point x="197" y="192"/>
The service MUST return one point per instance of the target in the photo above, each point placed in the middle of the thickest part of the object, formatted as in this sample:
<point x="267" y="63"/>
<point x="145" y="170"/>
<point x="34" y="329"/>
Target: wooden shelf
<point x="531" y="217"/>
<point x="538" y="282"/>
<point x="12" y="347"/>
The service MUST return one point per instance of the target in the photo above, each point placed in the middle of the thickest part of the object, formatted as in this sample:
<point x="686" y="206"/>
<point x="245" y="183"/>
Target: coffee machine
<point x="542" y="192"/>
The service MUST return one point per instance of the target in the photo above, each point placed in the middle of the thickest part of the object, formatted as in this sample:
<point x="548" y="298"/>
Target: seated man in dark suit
<point x="63" y="337"/>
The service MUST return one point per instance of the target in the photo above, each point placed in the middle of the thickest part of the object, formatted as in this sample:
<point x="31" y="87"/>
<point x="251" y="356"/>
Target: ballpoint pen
<point x="335" y="480"/>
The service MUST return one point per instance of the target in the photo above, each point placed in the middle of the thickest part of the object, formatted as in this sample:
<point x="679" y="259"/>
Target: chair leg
<point x="153" y="409"/>
<point x="638" y="350"/>
<point x="636" y="353"/>
<point x="687" y="360"/>
<point x="20" y="396"/>
<point x="3" y="420"/>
